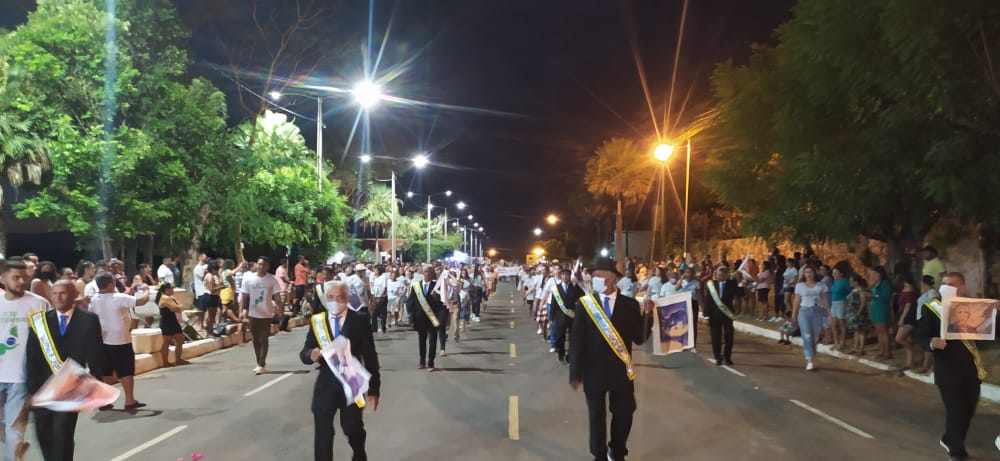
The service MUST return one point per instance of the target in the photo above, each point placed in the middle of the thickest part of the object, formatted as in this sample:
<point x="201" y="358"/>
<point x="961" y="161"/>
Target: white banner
<point x="73" y="390"/>
<point x="508" y="271"/>
<point x="673" y="324"/>
<point x="353" y="376"/>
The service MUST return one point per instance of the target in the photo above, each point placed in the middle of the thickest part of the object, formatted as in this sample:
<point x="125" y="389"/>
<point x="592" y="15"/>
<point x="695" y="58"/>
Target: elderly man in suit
<point x="328" y="394"/>
<point x="605" y="325"/>
<point x="720" y="292"/>
<point x="427" y="318"/>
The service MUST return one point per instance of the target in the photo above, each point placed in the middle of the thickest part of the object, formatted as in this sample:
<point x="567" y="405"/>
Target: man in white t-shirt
<point x="114" y="309"/>
<point x="165" y="273"/>
<point x="16" y="305"/>
<point x="358" y="283"/>
<point x="260" y="299"/>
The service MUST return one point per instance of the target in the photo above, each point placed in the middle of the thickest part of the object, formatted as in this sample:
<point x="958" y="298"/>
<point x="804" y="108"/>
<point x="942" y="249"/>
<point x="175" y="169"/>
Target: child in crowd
<point x="787" y="330"/>
<point x="857" y="313"/>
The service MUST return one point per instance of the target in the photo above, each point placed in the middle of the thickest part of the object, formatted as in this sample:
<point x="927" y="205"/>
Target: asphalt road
<point x="766" y="407"/>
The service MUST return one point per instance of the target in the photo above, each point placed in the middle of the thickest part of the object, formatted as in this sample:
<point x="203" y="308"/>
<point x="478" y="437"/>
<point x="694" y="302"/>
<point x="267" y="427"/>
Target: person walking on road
<point x="563" y="302"/>
<point x="423" y="306"/>
<point x="809" y="306"/>
<point x="69" y="333"/>
<point x="328" y="395"/>
<point x="606" y="324"/>
<point x="721" y="292"/>
<point x="114" y="309"/>
<point x="260" y="299"/>
<point x="958" y="371"/>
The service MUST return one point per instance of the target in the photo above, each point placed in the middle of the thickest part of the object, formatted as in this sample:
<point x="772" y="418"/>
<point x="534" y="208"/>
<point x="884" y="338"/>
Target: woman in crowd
<point x="907" y="301"/>
<point x="652" y="286"/>
<point x="627" y="283"/>
<point x="85" y="272"/>
<point x="839" y="290"/>
<point x="228" y="297"/>
<point x="45" y="276"/>
<point x="881" y="297"/>
<point x="170" y="327"/>
<point x="826" y="278"/>
<point x="476" y="292"/>
<point x="857" y="313"/>
<point x="464" y="286"/>
<point x="927" y="294"/>
<point x="765" y="278"/>
<point x="689" y="283"/>
<point x="808" y="309"/>
<point x="394" y="291"/>
<point x="791" y="278"/>
<point x="212" y="300"/>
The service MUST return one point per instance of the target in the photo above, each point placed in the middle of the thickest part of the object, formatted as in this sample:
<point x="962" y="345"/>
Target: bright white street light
<point x="480" y="228"/>
<point x="455" y="223"/>
<point x="366" y="158"/>
<point x="460" y="205"/>
<point x="275" y="95"/>
<point x="429" y="206"/>
<point x="420" y="161"/>
<point x="475" y="224"/>
<point x="367" y="93"/>
<point x="470" y="217"/>
<point x="409" y="194"/>
<point x="604" y="252"/>
<point x="447" y="193"/>
<point x="538" y="231"/>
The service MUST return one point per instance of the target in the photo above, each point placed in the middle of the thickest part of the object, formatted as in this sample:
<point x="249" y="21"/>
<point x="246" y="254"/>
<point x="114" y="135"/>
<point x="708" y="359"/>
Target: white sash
<point x="718" y="301"/>
<point x="562" y="306"/>
<point x="418" y="288"/>
<point x="322" y="333"/>
<point x="608" y="331"/>
<point x="41" y="328"/>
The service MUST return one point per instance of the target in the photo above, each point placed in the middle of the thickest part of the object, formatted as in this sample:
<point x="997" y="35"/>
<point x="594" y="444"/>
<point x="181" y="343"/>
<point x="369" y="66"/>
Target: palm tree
<point x="23" y="154"/>
<point x="380" y="206"/>
<point x="619" y="170"/>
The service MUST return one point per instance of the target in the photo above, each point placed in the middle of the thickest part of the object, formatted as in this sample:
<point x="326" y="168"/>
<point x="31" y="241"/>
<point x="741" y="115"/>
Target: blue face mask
<point x="333" y="306"/>
<point x="597" y="283"/>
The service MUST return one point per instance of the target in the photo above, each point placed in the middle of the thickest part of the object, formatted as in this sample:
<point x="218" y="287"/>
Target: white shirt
<point x="199" y="280"/>
<point x="165" y="274"/>
<point x="260" y="291"/>
<point x="358" y="287"/>
<point x="810" y="296"/>
<point x="627" y="286"/>
<point x="394" y="288"/>
<point x="536" y="285"/>
<point x="113" y="310"/>
<point x="551" y="282"/>
<point x="611" y="300"/>
<point x="380" y="285"/>
<point x="14" y="327"/>
<point x="332" y="318"/>
<point x="90" y="289"/>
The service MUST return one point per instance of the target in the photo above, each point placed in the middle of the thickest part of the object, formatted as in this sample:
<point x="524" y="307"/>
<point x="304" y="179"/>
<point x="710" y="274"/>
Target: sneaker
<point x="998" y="442"/>
<point x="552" y="349"/>
<point x="539" y="331"/>
<point x="259" y="370"/>
<point x="810" y="366"/>
<point x="945" y="446"/>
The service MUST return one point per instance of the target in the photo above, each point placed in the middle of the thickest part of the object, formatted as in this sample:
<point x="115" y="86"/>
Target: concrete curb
<point x="149" y="342"/>
<point x="989" y="392"/>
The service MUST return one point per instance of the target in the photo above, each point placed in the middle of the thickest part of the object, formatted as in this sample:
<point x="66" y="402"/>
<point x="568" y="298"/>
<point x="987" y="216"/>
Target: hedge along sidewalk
<point x="988" y="391"/>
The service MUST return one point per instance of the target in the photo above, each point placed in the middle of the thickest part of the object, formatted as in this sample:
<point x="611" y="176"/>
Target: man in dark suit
<point x="328" y="394"/>
<point x="955" y="374"/>
<point x="721" y="325"/>
<point x="605" y="377"/>
<point x="76" y="334"/>
<point x="562" y="325"/>
<point x="427" y="333"/>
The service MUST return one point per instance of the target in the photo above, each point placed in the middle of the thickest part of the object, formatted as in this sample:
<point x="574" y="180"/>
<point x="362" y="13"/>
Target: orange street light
<point x="492" y="252"/>
<point x="538" y="251"/>
<point x="552" y="219"/>
<point x="663" y="152"/>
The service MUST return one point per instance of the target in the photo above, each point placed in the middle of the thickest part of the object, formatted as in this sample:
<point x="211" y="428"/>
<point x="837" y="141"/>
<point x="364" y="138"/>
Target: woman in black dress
<point x="169" y="326"/>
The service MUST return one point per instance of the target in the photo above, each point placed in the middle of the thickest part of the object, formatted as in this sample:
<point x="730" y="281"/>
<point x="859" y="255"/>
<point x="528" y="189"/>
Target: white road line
<point x="833" y="420"/>
<point x="733" y="371"/>
<point x="267" y="384"/>
<point x="136" y="450"/>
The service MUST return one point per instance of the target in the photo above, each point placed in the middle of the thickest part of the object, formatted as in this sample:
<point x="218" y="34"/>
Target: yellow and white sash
<point x="935" y="306"/>
<point x="322" y="332"/>
<point x="562" y="305"/>
<point x="418" y="289"/>
<point x="608" y="331"/>
<point x="41" y="328"/>
<point x="718" y="300"/>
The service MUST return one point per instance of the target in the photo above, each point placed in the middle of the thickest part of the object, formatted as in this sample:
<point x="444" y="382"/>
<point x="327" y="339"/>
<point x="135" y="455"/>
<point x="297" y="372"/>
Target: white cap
<point x="360" y="267"/>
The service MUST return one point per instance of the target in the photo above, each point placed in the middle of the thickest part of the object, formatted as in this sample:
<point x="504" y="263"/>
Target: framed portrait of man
<point x="969" y="318"/>
<point x="673" y="324"/>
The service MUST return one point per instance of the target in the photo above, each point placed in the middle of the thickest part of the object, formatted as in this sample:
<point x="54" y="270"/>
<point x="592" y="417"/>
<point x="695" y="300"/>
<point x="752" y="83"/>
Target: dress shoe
<point x="718" y="362"/>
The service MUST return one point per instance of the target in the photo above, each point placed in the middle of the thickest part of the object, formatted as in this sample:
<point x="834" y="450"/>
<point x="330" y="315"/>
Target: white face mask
<point x="948" y="291"/>
<point x="333" y="306"/>
<point x="597" y="283"/>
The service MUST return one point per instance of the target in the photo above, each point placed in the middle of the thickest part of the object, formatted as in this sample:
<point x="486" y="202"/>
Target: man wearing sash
<point x="562" y="302"/>
<point x="956" y="372"/>
<point x="605" y="325"/>
<point x="721" y="292"/>
<point x="57" y="335"/>
<point x="328" y="394"/>
<point x="423" y="306"/>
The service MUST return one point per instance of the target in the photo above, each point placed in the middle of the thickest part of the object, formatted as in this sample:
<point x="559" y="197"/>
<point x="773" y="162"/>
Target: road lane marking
<point x="511" y="324"/>
<point x="733" y="371"/>
<point x="513" y="351"/>
<point x="833" y="420"/>
<point x="513" y="429"/>
<point x="267" y="384"/>
<point x="136" y="450"/>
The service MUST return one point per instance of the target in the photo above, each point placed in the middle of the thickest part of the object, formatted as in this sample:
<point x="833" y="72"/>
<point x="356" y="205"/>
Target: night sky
<point x="542" y="84"/>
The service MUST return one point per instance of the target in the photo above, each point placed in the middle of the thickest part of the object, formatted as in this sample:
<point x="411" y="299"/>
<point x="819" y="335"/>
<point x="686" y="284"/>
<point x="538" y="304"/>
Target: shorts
<point x="208" y="301"/>
<point x="227" y="296"/>
<point x="762" y="294"/>
<point x="119" y="360"/>
<point x="839" y="309"/>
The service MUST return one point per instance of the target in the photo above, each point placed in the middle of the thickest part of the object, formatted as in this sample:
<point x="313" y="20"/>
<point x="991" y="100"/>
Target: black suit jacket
<point x="570" y="297"/>
<point x="82" y="343"/>
<point x="328" y="394"/>
<point x="727" y="294"/>
<point x="592" y="360"/>
<point x="953" y="365"/>
<point x="417" y="316"/>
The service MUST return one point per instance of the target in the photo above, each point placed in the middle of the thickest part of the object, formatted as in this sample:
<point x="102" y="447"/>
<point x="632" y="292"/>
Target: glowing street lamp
<point x="604" y="252"/>
<point x="470" y="217"/>
<point x="460" y="205"/>
<point x="420" y="161"/>
<point x="538" y="231"/>
<point x="275" y="95"/>
<point x="366" y="158"/>
<point x="538" y="251"/>
<point x="663" y="152"/>
<point x="367" y="93"/>
<point x="492" y="252"/>
<point x="552" y="219"/>
<point x="409" y="194"/>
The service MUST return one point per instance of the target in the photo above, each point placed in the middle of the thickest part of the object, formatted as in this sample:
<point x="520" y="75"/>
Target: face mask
<point x="948" y="291"/>
<point x="598" y="284"/>
<point x="333" y="306"/>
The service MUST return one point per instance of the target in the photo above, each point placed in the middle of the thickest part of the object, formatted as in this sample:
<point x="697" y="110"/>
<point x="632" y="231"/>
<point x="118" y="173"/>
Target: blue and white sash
<point x="608" y="331"/>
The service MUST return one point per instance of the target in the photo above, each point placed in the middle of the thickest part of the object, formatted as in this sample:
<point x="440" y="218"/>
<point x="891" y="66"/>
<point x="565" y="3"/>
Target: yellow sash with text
<point x="562" y="305"/>
<point x="418" y="289"/>
<point x="608" y="331"/>
<point x="41" y="329"/>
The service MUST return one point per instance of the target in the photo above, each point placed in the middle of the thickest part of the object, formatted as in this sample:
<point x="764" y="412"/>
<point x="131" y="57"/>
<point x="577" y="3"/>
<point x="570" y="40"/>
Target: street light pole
<point x="392" y="232"/>
<point x="429" y="229"/>
<point x="319" y="143"/>
<point x="687" y="185"/>
<point x="446" y="223"/>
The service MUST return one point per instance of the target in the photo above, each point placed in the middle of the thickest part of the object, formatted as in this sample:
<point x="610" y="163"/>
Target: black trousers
<point x="960" y="402"/>
<point x="721" y="328"/>
<point x="379" y="313"/>
<point x="427" y="337"/>
<point x="622" y="405"/>
<point x="693" y="321"/>
<point x="562" y="328"/>
<point x="55" y="434"/>
<point x="353" y="425"/>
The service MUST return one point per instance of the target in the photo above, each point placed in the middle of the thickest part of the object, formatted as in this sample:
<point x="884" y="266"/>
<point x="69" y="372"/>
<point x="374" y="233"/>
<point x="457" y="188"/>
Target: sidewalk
<point x="989" y="392"/>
